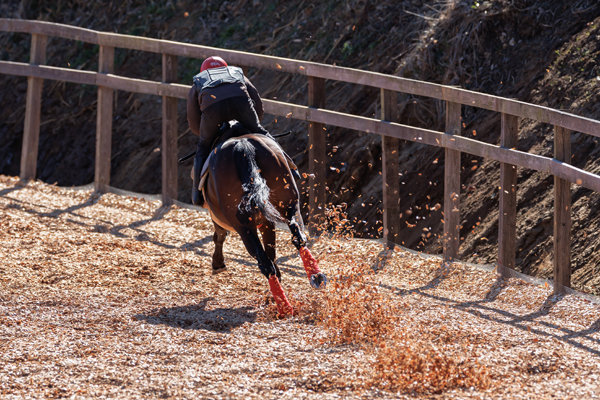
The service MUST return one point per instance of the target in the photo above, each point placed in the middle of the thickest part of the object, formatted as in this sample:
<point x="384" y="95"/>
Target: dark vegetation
<point x="541" y="51"/>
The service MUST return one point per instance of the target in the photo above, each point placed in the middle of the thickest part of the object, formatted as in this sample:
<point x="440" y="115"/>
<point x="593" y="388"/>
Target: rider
<point x="219" y="94"/>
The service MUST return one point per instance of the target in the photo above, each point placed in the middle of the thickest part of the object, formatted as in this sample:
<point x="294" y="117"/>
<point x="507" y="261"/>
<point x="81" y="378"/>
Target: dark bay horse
<point x="249" y="188"/>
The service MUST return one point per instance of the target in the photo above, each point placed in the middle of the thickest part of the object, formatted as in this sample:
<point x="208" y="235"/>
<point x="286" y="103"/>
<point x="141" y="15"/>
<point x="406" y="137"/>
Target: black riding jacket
<point x="216" y="84"/>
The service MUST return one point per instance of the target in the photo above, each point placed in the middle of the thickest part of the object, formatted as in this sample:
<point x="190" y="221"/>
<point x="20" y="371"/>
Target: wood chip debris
<point x="112" y="296"/>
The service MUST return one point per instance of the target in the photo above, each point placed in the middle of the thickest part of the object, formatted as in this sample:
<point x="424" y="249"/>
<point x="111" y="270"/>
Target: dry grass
<point x="111" y="296"/>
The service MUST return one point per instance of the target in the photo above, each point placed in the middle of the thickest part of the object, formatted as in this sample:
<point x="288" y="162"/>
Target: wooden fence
<point x="317" y="116"/>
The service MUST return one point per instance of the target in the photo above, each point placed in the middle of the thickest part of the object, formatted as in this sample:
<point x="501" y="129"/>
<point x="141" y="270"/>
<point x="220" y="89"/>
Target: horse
<point x="248" y="187"/>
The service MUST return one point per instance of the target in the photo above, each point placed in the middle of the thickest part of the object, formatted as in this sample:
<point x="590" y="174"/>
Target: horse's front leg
<point x="218" y="261"/>
<point x="316" y="278"/>
<point x="267" y="230"/>
<point x="250" y="238"/>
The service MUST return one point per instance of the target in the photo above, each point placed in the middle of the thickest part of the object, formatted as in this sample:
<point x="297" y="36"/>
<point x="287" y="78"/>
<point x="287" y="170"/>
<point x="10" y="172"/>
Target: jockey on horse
<point x="220" y="93"/>
<point x="246" y="190"/>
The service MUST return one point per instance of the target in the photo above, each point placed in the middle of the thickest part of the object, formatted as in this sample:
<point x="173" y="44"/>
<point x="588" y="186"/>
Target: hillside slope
<point x="540" y="51"/>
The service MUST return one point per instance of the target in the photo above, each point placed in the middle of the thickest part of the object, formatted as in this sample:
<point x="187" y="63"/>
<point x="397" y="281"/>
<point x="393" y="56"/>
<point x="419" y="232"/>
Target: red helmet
<point x="213" y="62"/>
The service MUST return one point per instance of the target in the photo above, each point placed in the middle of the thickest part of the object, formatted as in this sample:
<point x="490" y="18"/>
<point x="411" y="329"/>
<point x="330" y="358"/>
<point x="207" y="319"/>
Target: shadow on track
<point x="222" y="320"/>
<point x="485" y="309"/>
<point x="101" y="226"/>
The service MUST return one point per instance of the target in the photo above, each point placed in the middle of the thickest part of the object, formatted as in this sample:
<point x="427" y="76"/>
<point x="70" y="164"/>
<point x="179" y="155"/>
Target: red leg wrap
<point x="283" y="305"/>
<point x="310" y="263"/>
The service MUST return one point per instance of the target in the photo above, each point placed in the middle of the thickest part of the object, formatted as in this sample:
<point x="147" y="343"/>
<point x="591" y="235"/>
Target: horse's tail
<point x="256" y="191"/>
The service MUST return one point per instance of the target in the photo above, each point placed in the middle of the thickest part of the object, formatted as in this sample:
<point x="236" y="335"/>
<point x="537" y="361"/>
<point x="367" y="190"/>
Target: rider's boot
<point x="197" y="197"/>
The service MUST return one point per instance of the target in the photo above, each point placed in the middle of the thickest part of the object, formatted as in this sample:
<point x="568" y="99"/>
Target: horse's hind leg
<point x="250" y="238"/>
<point x="315" y="276"/>
<point x="267" y="231"/>
<point x="218" y="262"/>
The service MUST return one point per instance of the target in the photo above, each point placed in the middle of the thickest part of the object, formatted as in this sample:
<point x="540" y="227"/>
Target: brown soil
<point x="540" y="51"/>
<point x="112" y="296"/>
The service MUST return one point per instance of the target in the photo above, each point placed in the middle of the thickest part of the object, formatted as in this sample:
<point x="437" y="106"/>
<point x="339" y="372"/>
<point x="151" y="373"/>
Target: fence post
<point x="452" y="186"/>
<point x="390" y="169"/>
<point x="507" y="223"/>
<point x="316" y="155"/>
<point x="169" y="133"/>
<point x="562" y="213"/>
<point x="104" y="117"/>
<point x="31" y="130"/>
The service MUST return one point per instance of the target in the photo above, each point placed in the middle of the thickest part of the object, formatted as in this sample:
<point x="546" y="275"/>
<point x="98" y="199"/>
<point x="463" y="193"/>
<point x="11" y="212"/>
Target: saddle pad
<point x="204" y="173"/>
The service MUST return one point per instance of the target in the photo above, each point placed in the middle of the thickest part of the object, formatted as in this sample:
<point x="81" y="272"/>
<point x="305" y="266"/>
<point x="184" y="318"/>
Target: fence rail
<point x="317" y="116"/>
<point x="349" y="75"/>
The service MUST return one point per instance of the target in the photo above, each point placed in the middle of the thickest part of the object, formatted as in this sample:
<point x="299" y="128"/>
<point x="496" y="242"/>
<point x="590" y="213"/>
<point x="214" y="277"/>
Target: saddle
<point x="227" y="131"/>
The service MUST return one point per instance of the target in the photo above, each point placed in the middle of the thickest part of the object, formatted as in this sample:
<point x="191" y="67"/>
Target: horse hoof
<point x="219" y="270"/>
<point x="318" y="281"/>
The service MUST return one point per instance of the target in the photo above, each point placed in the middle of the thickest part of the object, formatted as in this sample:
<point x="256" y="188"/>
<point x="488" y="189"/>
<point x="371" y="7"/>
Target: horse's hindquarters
<point x="219" y="220"/>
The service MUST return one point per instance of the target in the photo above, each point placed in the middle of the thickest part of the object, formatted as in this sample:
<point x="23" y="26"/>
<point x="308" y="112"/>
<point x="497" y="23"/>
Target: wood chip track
<point x="106" y="296"/>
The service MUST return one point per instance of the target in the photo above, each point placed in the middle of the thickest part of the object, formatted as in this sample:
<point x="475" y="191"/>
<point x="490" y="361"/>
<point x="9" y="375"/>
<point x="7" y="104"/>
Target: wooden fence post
<point x="562" y="213"/>
<point x="31" y="130"/>
<point x="316" y="155"/>
<point x="507" y="223"/>
<point x="169" y="133"/>
<point x="390" y="168"/>
<point x="452" y="186"/>
<point x="104" y="117"/>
